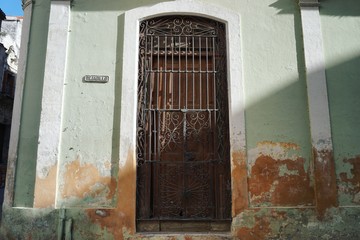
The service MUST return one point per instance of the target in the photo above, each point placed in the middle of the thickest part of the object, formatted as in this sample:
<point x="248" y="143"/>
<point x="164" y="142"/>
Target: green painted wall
<point x="341" y="32"/>
<point x="273" y="69"/>
<point x="276" y="114"/>
<point x="273" y="65"/>
<point x="31" y="106"/>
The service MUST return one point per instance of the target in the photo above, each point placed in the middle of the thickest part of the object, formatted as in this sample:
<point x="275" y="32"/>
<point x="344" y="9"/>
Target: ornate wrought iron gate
<point x="183" y="169"/>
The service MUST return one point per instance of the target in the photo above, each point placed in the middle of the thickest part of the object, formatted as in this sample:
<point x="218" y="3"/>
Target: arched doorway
<point x="183" y="162"/>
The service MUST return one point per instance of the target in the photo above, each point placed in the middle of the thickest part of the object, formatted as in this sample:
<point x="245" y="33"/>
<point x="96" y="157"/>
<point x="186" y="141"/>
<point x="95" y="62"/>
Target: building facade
<point x="10" y="31"/>
<point x="185" y="119"/>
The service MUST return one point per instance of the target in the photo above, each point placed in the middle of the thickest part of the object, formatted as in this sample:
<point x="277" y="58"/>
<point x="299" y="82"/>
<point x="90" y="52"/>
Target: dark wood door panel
<point x="183" y="177"/>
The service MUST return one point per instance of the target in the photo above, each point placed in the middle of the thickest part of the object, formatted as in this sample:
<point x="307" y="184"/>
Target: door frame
<point x="129" y="88"/>
<point x="217" y="204"/>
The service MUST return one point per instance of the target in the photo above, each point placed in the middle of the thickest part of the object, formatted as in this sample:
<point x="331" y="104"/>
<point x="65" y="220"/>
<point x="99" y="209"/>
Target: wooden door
<point x="183" y="143"/>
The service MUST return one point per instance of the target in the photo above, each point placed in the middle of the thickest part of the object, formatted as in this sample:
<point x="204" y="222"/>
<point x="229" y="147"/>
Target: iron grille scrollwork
<point x="183" y="168"/>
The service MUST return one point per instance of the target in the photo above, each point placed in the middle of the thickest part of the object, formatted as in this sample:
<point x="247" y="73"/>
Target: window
<point x="183" y="150"/>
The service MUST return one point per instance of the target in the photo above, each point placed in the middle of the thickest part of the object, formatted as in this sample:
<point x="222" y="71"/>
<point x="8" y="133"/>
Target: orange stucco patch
<point x="269" y="185"/>
<point x="325" y="181"/>
<point x="44" y="189"/>
<point x="85" y="180"/>
<point x="353" y="182"/>
<point x="239" y="183"/>
<point x="121" y="219"/>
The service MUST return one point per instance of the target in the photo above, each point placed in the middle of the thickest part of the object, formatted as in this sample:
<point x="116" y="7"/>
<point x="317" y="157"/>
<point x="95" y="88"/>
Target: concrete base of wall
<point x="285" y="223"/>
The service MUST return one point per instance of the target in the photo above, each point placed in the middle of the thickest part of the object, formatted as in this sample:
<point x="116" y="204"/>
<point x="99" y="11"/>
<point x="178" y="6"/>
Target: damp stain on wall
<point x="279" y="177"/>
<point x="239" y="182"/>
<point x="83" y="183"/>
<point x="120" y="221"/>
<point x="349" y="183"/>
<point x="44" y="189"/>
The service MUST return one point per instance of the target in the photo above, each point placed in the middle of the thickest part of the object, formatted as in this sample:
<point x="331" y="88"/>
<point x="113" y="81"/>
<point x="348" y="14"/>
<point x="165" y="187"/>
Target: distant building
<point x="10" y="35"/>
<point x="2" y="17"/>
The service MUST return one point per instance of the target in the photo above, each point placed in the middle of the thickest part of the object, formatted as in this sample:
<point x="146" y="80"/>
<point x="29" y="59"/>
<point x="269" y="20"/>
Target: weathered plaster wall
<point x="276" y="112"/>
<point x="341" y="32"/>
<point x="277" y="120"/>
<point x="277" y="124"/>
<point x="11" y="33"/>
<point x="91" y="110"/>
<point x="96" y="184"/>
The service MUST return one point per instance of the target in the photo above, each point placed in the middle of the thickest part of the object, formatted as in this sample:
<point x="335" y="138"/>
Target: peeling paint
<point x="350" y="183"/>
<point x="283" y="171"/>
<point x="278" y="190"/>
<point x="259" y="230"/>
<point x="295" y="224"/>
<point x="325" y="181"/>
<point x="44" y="189"/>
<point x="120" y="221"/>
<point x="239" y="183"/>
<point x="276" y="150"/>
<point x="279" y="176"/>
<point x="280" y="183"/>
<point x="83" y="182"/>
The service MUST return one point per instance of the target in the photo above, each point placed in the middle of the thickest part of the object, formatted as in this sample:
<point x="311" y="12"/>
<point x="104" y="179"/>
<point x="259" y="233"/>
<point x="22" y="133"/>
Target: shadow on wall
<point x="343" y="82"/>
<point x="111" y="5"/>
<point x="343" y="85"/>
<point x="341" y="8"/>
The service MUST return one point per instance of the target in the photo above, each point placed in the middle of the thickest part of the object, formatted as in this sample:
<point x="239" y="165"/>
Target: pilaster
<point x="52" y="100"/>
<point x="16" y="117"/>
<point x="324" y="166"/>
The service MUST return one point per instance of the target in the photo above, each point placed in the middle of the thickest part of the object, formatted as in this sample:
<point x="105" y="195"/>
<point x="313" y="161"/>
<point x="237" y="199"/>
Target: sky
<point x="11" y="7"/>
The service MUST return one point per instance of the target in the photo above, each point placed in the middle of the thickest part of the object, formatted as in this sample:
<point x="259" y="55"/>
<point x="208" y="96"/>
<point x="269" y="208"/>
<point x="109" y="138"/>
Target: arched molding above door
<point x="234" y="55"/>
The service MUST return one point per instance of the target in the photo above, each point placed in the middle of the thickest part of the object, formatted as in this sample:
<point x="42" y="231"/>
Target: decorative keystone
<point x="309" y="3"/>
